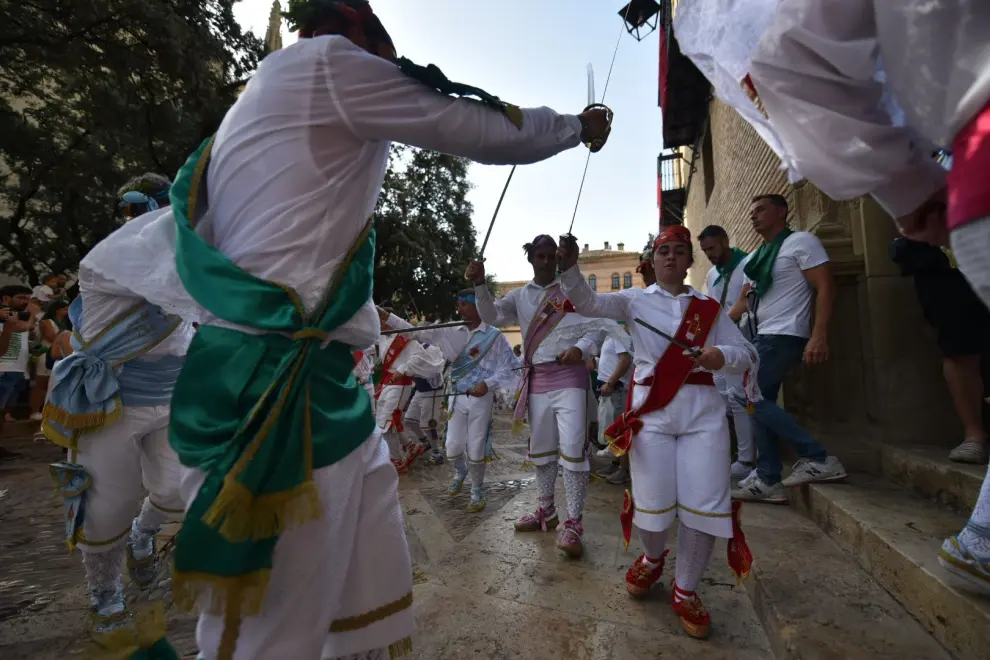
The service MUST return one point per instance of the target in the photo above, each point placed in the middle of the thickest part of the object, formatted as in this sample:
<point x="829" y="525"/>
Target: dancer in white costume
<point x="108" y="403"/>
<point x="425" y="415"/>
<point x="482" y="362"/>
<point x="293" y="543"/>
<point x="554" y="385"/>
<point x="675" y="432"/>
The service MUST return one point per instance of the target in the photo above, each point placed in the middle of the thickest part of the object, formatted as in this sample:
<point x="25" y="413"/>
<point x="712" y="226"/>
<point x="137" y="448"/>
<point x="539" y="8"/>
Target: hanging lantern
<point x="641" y="17"/>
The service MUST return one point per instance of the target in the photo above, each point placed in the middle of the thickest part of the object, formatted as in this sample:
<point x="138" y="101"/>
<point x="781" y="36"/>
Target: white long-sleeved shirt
<point x="298" y="164"/>
<point x="814" y="72"/>
<point x="663" y="311"/>
<point x="519" y="306"/>
<point x="497" y="369"/>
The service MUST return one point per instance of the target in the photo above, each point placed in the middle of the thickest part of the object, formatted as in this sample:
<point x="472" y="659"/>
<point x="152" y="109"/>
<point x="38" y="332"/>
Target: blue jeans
<point x="11" y="383"/>
<point x="778" y="353"/>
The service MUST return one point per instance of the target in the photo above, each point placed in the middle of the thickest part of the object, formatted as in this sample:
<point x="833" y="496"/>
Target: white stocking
<point x="694" y="549"/>
<point x="976" y="535"/>
<point x="654" y="543"/>
<point x="743" y="422"/>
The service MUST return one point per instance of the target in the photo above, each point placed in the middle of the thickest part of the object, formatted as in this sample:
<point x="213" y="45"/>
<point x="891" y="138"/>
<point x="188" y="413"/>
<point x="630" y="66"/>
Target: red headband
<point x="673" y="234"/>
<point x="347" y="18"/>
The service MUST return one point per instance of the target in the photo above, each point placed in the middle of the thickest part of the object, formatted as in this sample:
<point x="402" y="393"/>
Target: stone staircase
<point x="860" y="578"/>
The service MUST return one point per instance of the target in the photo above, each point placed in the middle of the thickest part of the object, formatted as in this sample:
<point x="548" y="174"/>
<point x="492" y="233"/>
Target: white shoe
<point x="971" y="451"/>
<point x="752" y="489"/>
<point x="739" y="471"/>
<point x="608" y="470"/>
<point x="604" y="453"/>
<point x="36" y="417"/>
<point x="807" y="471"/>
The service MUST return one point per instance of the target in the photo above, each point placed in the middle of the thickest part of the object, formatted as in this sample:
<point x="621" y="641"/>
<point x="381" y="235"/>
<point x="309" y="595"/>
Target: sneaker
<point x="142" y="571"/>
<point x="36" y="417"/>
<point x="694" y="617"/>
<point x="539" y="521"/>
<point x="640" y="577"/>
<point x="477" y="503"/>
<point x="456" y="485"/>
<point x="971" y="451"/>
<point x="619" y="478"/>
<point x="569" y="538"/>
<point x="807" y="471"/>
<point x="608" y="471"/>
<point x="739" y="471"/>
<point x="960" y="561"/>
<point x="604" y="453"/>
<point x="753" y="489"/>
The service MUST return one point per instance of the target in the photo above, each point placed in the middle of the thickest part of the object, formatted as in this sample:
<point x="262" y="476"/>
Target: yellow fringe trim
<point x="62" y="417"/>
<point x="59" y="438"/>
<point x="527" y="466"/>
<point x="517" y="426"/>
<point x="352" y="623"/>
<point x="188" y="590"/>
<point x="514" y="114"/>
<point x="240" y="516"/>
<point x="120" y="644"/>
<point x="401" y="648"/>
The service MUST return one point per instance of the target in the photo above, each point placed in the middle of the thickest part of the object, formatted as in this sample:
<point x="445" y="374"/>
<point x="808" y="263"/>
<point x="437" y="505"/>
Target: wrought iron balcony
<point x="684" y="91"/>
<point x="671" y="187"/>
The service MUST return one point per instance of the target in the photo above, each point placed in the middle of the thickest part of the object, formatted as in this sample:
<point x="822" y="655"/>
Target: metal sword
<point x="424" y="327"/>
<point x="495" y="215"/>
<point x="538" y="364"/>
<point x="693" y="351"/>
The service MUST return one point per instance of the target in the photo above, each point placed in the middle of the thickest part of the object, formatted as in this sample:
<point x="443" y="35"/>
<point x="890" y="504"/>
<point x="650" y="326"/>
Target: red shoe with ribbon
<point x="694" y="617"/>
<point x="640" y="577"/>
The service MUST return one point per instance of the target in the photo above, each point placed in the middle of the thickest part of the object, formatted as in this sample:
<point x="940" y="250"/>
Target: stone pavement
<point x="481" y="590"/>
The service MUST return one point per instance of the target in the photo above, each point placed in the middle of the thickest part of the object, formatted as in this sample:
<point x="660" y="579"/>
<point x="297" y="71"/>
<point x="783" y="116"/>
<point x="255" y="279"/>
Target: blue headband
<point x="135" y="197"/>
<point x="466" y="297"/>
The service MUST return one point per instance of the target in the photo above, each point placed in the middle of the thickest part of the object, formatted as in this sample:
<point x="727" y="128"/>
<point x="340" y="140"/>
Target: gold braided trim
<point x="704" y="513"/>
<point x="400" y="648"/>
<point x="657" y="512"/>
<point x="545" y="454"/>
<point x="309" y="333"/>
<point x="514" y="114"/>
<point x="164" y="509"/>
<point x="74" y="421"/>
<point x="241" y="516"/>
<point x="55" y="436"/>
<point x="82" y="540"/>
<point x="571" y="460"/>
<point x="360" y="621"/>
<point x="246" y="590"/>
<point x="120" y="644"/>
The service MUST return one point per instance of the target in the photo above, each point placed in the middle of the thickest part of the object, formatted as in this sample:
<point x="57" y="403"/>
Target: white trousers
<point x="730" y="385"/>
<point x="424" y="407"/>
<point x="392" y="397"/>
<point x="124" y="459"/>
<point x="339" y="585"/>
<point x="678" y="463"/>
<point x="558" y="424"/>
<point x="467" y="426"/>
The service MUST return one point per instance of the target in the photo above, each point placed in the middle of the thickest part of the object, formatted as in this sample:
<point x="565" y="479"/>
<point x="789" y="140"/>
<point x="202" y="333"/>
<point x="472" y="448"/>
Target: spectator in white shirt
<point x="782" y="277"/>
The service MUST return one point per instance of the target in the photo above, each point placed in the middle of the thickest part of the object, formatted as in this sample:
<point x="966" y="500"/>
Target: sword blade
<point x="694" y="350"/>
<point x="591" y="84"/>
<point x="423" y="327"/>
<point x="495" y="215"/>
<point x="538" y="364"/>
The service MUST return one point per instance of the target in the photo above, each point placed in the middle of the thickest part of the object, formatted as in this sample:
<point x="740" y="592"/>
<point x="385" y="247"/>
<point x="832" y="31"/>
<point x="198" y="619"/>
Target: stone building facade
<point x="607" y="269"/>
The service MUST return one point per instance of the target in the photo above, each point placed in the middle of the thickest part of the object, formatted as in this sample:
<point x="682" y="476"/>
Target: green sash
<point x="726" y="270"/>
<point x="257" y="413"/>
<point x="759" y="268"/>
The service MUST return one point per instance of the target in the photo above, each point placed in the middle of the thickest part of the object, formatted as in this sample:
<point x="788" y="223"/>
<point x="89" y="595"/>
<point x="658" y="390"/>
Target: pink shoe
<point x="569" y="538"/>
<point x="539" y="521"/>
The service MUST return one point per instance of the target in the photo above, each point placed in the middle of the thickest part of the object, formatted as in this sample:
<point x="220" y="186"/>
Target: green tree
<point x="425" y="238"/>
<point x="92" y="93"/>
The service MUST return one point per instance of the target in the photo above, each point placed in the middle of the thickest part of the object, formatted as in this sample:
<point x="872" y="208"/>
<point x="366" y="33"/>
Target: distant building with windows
<point x="608" y="269"/>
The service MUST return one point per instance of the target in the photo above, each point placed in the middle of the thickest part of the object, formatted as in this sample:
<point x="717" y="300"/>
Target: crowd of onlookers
<point x="35" y="333"/>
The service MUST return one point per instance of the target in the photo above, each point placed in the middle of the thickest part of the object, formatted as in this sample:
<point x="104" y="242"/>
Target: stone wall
<point x="883" y="381"/>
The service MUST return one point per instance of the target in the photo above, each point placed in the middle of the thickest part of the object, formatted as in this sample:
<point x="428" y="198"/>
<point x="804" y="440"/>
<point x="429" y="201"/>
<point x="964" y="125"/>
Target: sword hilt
<point x="596" y="144"/>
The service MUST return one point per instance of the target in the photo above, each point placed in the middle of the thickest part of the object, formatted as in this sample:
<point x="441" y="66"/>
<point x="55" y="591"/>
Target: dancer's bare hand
<point x="475" y="273"/>
<point x="479" y="390"/>
<point x="572" y="355"/>
<point x="567" y="253"/>
<point x="594" y="126"/>
<point x="927" y="223"/>
<point x="711" y="358"/>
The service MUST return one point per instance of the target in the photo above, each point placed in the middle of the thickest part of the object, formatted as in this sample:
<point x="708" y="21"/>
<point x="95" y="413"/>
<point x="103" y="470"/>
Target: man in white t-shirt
<point x="724" y="283"/>
<point x="14" y="359"/>
<point x="781" y="279"/>
<point x="614" y="372"/>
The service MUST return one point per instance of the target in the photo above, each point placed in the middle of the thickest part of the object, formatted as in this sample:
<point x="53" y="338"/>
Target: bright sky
<point x="533" y="54"/>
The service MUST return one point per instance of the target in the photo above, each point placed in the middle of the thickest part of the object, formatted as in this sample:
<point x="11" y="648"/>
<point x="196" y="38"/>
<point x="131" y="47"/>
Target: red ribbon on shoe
<point x="738" y="552"/>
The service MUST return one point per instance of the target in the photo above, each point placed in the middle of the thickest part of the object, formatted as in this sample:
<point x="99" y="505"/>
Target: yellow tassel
<point x="517" y="426"/>
<point x="210" y="593"/>
<point x="515" y="115"/>
<point x="147" y="629"/>
<point x="750" y="408"/>
<point x="241" y="517"/>
<point x="401" y="648"/>
<point x="62" y="417"/>
<point x="527" y="466"/>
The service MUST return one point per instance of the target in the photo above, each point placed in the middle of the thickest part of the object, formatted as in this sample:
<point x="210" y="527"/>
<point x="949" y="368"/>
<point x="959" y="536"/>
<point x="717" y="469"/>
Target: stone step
<point x="894" y="535"/>
<point x="929" y="472"/>
<point x="816" y="603"/>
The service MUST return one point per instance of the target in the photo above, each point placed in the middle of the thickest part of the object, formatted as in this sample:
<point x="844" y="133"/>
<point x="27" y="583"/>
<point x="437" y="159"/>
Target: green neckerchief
<point x="726" y="270"/>
<point x="432" y="76"/>
<point x="256" y="412"/>
<point x="759" y="268"/>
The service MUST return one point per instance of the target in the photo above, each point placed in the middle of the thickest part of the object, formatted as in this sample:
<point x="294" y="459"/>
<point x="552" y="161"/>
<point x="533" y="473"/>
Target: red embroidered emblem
<point x="474" y="352"/>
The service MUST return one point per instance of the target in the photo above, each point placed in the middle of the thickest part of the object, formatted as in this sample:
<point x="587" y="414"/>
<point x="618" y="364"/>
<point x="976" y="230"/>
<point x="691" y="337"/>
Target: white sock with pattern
<point x="976" y="535"/>
<point x="694" y="549"/>
<point x="654" y="544"/>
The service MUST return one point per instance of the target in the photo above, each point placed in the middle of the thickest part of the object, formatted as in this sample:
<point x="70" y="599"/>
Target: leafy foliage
<point x="424" y="234"/>
<point x="92" y="93"/>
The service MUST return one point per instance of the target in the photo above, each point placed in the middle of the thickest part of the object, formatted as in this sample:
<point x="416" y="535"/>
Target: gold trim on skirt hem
<point x="352" y="623"/>
<point x="190" y="590"/>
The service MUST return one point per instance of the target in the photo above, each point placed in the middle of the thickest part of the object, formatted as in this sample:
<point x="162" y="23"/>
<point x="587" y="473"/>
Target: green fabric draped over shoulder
<point x="256" y="412"/>
<point x="759" y="268"/>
